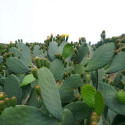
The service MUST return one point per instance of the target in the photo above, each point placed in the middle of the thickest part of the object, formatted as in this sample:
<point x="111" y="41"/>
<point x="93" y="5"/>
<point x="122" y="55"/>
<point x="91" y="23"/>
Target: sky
<point x="34" y="20"/>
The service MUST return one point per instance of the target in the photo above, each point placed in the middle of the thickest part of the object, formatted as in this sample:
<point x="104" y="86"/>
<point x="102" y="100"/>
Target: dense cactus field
<point x="63" y="83"/>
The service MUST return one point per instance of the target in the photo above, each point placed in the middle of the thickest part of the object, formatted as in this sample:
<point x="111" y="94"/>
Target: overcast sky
<point x="34" y="20"/>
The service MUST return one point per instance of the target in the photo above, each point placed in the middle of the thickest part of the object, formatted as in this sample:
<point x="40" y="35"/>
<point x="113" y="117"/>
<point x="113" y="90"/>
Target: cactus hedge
<point x="63" y="83"/>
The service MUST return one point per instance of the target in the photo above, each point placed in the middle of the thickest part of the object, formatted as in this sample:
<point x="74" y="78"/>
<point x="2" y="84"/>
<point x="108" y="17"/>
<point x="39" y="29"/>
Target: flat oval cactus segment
<point x="88" y="94"/>
<point x="25" y="115"/>
<point x="101" y="57"/>
<point x="67" y="50"/>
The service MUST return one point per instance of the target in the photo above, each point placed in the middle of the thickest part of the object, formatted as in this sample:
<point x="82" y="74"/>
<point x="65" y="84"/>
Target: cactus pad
<point x="25" y="115"/>
<point x="88" y="94"/>
<point x="50" y="93"/>
<point x="67" y="50"/>
<point x="101" y="57"/>
<point x="27" y="80"/>
<point x="17" y="66"/>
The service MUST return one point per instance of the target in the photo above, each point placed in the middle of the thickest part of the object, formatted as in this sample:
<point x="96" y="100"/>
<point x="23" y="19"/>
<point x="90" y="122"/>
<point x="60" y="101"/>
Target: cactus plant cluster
<point x="63" y="83"/>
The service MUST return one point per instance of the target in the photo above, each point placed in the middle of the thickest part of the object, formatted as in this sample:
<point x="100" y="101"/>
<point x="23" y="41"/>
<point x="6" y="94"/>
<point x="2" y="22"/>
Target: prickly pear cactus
<point x="62" y="83"/>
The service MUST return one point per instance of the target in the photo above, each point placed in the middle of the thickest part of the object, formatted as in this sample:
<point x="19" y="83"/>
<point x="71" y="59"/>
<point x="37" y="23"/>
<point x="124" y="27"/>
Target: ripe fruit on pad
<point x="38" y="91"/>
<point x="2" y="105"/>
<point x="93" y="123"/>
<point x="7" y="101"/>
<point x="121" y="96"/>
<point x="34" y="72"/>
<point x="13" y="101"/>
<point x="2" y="96"/>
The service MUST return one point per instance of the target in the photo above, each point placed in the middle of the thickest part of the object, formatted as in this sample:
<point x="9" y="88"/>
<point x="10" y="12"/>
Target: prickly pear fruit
<point x="93" y="123"/>
<point x="45" y="62"/>
<point x="2" y="105"/>
<point x="42" y="62"/>
<point x="121" y="96"/>
<point x="38" y="91"/>
<point x="48" y="64"/>
<point x="13" y="101"/>
<point x="2" y="96"/>
<point x="34" y="72"/>
<point x="37" y="61"/>
<point x="94" y="118"/>
<point x="7" y="101"/>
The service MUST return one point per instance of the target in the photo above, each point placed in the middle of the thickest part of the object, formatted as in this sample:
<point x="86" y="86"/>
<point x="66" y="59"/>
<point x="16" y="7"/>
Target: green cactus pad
<point x="101" y="73"/>
<point x="18" y="53"/>
<point x="17" y="66"/>
<point x="53" y="49"/>
<point x="25" y="115"/>
<point x="79" y="110"/>
<point x="62" y="46"/>
<point x="26" y="92"/>
<point x="94" y="78"/>
<point x="67" y="117"/>
<point x="36" y="51"/>
<point x="117" y="64"/>
<point x="110" y="97"/>
<point x="50" y="93"/>
<point x="26" y="51"/>
<point x="88" y="94"/>
<point x="12" y="87"/>
<point x="99" y="103"/>
<point x="43" y="109"/>
<point x="67" y="95"/>
<point x="79" y="68"/>
<point x="71" y="83"/>
<point x="101" y="57"/>
<point x="82" y="52"/>
<point x="27" y="80"/>
<point x="121" y="96"/>
<point x="67" y="50"/>
<point x="57" y="69"/>
<point x="33" y="100"/>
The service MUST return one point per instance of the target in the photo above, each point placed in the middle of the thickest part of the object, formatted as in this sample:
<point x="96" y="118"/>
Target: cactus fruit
<point x="35" y="72"/>
<point x="48" y="64"/>
<point x="13" y="101"/>
<point x="38" y="91"/>
<point x="93" y="123"/>
<point x="103" y="34"/>
<point x="2" y="96"/>
<point x="94" y="118"/>
<point x="2" y="105"/>
<point x="37" y="61"/>
<point x="7" y="101"/>
<point x="121" y="96"/>
<point x="42" y="62"/>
